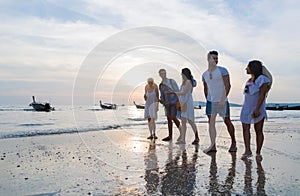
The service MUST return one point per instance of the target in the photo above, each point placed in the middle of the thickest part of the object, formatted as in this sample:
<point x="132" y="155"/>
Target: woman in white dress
<point x="151" y="107"/>
<point x="187" y="111"/>
<point x="253" y="110"/>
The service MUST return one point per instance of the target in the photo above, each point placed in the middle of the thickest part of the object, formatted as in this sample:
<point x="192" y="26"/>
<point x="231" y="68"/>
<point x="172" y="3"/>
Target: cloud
<point x="47" y="41"/>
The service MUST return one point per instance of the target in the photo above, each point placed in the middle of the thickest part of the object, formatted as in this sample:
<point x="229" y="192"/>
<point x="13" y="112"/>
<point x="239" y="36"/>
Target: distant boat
<point x="139" y="106"/>
<point x="110" y="106"/>
<point x="281" y="107"/>
<point x="41" y="106"/>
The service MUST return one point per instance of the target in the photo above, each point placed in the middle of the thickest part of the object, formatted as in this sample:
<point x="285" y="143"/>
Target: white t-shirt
<point x="251" y="99"/>
<point x="215" y="83"/>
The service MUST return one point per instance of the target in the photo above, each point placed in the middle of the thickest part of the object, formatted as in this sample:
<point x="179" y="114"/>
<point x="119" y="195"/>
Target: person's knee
<point x="228" y="122"/>
<point x="258" y="131"/>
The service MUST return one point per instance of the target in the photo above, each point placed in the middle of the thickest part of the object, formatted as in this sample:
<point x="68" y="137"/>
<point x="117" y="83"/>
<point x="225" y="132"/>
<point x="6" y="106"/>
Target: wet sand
<point x="124" y="162"/>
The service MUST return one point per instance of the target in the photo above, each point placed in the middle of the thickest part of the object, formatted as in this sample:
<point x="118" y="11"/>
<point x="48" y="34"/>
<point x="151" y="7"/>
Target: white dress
<point x="151" y="105"/>
<point x="251" y="94"/>
<point x="188" y="99"/>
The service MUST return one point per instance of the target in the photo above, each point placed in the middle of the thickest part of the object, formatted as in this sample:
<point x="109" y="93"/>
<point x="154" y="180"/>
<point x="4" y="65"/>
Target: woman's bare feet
<point x="210" y="149"/>
<point x="232" y="148"/>
<point x="246" y="155"/>
<point x="179" y="138"/>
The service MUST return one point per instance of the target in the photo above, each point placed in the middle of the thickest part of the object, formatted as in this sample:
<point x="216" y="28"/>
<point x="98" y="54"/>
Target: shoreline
<point x="124" y="162"/>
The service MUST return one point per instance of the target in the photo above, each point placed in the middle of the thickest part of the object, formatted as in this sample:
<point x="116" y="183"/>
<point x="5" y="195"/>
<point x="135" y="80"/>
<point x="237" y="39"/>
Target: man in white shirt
<point x="216" y="83"/>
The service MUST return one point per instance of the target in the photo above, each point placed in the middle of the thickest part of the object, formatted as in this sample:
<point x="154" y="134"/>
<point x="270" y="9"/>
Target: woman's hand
<point x="160" y="101"/>
<point x="256" y="113"/>
<point x="170" y="92"/>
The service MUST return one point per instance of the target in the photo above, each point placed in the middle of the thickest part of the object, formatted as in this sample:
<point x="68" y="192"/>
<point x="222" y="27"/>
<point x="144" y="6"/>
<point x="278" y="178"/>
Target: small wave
<point x="197" y="117"/>
<point x="34" y="124"/>
<point x="56" y="131"/>
<point x="136" y="119"/>
<point x="15" y="109"/>
<point x="96" y="109"/>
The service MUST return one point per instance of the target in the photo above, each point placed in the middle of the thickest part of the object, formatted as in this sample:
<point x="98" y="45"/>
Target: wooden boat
<point x="110" y="106"/>
<point x="139" y="106"/>
<point x="46" y="107"/>
<point x="281" y="107"/>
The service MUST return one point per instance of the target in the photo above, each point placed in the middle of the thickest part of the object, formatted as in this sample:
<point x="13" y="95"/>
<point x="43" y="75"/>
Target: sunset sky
<point x="45" y="44"/>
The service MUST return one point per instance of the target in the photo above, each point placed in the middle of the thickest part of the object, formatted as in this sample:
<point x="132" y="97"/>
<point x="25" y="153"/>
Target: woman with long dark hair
<point x="187" y="105"/>
<point x="253" y="110"/>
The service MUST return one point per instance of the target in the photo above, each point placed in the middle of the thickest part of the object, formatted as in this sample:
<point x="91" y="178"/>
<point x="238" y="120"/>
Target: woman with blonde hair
<point x="151" y="107"/>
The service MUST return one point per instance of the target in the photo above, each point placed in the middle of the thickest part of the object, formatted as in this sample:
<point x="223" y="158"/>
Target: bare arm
<point x="227" y="87"/>
<point x="205" y="89"/>
<point x="156" y="91"/>
<point x="227" y="84"/>
<point x="145" y="97"/>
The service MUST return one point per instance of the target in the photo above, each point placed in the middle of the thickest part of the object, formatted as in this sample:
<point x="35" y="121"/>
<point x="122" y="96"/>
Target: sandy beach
<point x="123" y="162"/>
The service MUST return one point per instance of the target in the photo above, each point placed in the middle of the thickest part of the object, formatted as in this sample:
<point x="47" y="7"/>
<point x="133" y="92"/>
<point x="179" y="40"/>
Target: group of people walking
<point x="178" y="103"/>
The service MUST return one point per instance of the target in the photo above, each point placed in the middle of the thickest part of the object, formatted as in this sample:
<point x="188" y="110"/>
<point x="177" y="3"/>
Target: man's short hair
<point x="161" y="70"/>
<point x="212" y="52"/>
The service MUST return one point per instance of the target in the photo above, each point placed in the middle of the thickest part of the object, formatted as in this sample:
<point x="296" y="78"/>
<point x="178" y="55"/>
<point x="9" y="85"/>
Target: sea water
<point x="22" y="121"/>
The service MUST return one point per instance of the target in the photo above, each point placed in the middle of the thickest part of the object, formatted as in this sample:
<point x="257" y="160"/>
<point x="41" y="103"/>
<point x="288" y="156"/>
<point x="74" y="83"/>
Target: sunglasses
<point x="210" y="76"/>
<point x="246" y="90"/>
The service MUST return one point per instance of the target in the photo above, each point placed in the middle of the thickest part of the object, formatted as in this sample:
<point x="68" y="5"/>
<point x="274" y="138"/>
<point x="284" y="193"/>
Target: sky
<point x="46" y="46"/>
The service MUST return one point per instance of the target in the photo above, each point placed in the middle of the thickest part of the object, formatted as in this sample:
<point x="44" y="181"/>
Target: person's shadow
<point x="261" y="179"/>
<point x="214" y="186"/>
<point x="180" y="173"/>
<point x="152" y="169"/>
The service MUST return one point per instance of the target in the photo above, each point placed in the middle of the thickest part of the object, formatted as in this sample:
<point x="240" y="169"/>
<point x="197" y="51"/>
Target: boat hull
<point x="279" y="107"/>
<point x="138" y="106"/>
<point x="42" y="107"/>
<point x="109" y="106"/>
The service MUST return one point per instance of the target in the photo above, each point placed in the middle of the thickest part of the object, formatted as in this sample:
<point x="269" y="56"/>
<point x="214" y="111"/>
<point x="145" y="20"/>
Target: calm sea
<point x="22" y="121"/>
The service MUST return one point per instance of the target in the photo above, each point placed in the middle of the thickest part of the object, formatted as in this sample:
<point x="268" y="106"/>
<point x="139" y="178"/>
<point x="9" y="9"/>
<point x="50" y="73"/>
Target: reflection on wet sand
<point x="215" y="187"/>
<point x="261" y="179"/>
<point x="179" y="176"/>
<point x="151" y="171"/>
<point x="248" y="190"/>
<point x="180" y="173"/>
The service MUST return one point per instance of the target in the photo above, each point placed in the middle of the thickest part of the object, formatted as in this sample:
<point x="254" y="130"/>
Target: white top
<point x="151" y="105"/>
<point x="251" y="93"/>
<point x="188" y="99"/>
<point x="215" y="83"/>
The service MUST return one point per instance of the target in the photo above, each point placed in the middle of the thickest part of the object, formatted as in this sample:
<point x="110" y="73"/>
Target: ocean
<point x="123" y="162"/>
<point x="22" y="121"/>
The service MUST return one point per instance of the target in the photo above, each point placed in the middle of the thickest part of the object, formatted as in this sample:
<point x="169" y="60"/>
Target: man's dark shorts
<point x="170" y="110"/>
